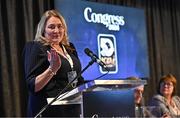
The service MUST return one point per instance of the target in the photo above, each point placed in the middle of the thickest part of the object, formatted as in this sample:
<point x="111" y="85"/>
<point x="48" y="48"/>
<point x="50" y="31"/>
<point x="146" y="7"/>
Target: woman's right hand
<point x="55" y="64"/>
<point x="54" y="60"/>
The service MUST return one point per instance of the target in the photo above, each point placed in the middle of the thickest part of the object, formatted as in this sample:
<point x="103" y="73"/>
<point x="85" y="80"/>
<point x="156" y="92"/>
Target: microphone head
<point x="95" y="58"/>
<point x="88" y="51"/>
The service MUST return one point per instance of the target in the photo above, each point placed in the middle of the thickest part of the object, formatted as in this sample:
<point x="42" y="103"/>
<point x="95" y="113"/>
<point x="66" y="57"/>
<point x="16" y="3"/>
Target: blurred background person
<point x="166" y="100"/>
<point x="141" y="110"/>
<point x="138" y="97"/>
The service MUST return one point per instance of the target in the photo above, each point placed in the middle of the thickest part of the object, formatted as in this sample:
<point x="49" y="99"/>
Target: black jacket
<point x="35" y="62"/>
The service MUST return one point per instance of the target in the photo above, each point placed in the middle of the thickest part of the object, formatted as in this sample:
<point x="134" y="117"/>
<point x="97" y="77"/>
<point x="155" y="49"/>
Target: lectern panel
<point x="118" y="103"/>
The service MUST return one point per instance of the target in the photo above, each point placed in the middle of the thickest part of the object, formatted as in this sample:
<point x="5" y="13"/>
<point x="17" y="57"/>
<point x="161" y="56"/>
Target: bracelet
<point x="52" y="73"/>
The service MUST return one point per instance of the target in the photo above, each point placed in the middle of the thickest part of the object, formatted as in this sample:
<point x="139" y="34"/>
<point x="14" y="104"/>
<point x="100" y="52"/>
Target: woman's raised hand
<point x="54" y="60"/>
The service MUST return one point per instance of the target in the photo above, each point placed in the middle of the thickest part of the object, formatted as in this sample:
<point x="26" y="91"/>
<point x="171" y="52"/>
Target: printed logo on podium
<point x="107" y="52"/>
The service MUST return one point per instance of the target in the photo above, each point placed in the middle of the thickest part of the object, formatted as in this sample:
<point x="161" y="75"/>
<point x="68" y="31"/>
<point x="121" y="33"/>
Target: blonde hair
<point x="41" y="28"/>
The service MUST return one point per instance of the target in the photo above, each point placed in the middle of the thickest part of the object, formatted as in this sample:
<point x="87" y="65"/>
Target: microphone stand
<point x="65" y="88"/>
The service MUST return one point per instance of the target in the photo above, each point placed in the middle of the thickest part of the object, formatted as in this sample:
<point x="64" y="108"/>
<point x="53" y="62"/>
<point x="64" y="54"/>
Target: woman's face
<point x="54" y="30"/>
<point x="166" y="88"/>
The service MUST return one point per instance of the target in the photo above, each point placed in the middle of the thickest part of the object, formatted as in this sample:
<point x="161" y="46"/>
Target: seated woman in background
<point x="166" y="100"/>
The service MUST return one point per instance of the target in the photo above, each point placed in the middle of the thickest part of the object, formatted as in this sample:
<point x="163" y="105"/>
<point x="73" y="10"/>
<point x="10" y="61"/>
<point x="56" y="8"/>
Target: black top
<point x="35" y="63"/>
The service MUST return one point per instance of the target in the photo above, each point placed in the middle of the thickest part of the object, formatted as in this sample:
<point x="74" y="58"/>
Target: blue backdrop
<point x="116" y="34"/>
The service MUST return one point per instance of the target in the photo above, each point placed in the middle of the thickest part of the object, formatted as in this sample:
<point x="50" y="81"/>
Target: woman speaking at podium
<point x="50" y="62"/>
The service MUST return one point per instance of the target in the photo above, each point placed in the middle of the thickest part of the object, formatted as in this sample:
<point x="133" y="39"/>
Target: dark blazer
<point x="35" y="62"/>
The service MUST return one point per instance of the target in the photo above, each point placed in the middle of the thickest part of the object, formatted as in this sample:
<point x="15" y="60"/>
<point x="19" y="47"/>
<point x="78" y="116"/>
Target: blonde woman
<point x="50" y="61"/>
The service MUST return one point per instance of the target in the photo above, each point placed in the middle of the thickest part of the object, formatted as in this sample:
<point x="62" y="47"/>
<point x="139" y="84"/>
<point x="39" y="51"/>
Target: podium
<point x="99" y="98"/>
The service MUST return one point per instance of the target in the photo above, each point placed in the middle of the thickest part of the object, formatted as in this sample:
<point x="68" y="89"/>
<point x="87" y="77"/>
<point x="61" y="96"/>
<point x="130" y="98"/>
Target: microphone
<point x="95" y="58"/>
